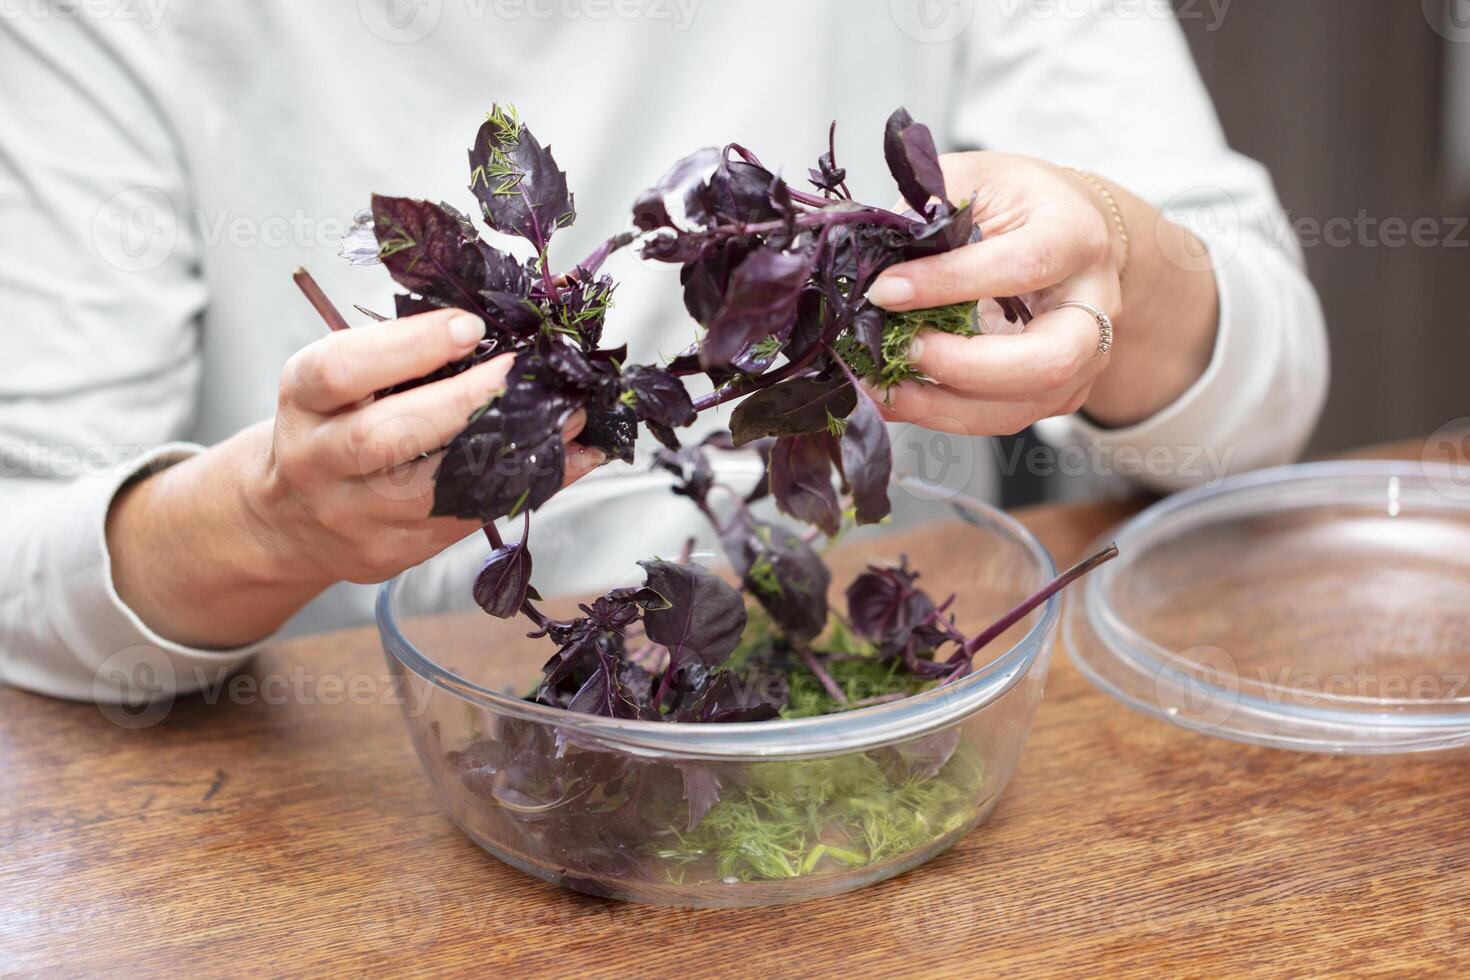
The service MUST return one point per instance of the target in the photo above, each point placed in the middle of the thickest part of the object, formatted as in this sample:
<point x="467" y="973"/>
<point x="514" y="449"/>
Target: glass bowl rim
<point x="848" y="731"/>
<point x="1328" y="724"/>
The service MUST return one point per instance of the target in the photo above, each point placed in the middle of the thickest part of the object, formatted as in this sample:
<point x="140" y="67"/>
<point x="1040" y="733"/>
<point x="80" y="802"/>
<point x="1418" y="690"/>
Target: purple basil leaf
<point x="658" y="395"/>
<point x="867" y="327"/>
<point x="505" y="288"/>
<point x="581" y="307"/>
<point x="707" y="278"/>
<point x="720" y="696"/>
<point x="593" y="377"/>
<point x="516" y="180"/>
<point x="761" y="300"/>
<point x="794" y="407"/>
<point x="674" y="202"/>
<point x="598" y="695"/>
<point x="913" y="160"/>
<point x="501" y="464"/>
<point x="762" y="488"/>
<point x="514" y="313"/>
<point x="783" y="572"/>
<point x="407" y="305"/>
<point x="801" y="480"/>
<point x="705" y="617"/>
<point x="858" y="252"/>
<point x="672" y="247"/>
<point x="690" y="467"/>
<point x="701" y="790"/>
<point x="948" y="230"/>
<point x="425" y="251"/>
<point x="613" y="430"/>
<point x="739" y="192"/>
<point x="780" y="198"/>
<point x="812" y="321"/>
<point x="884" y="606"/>
<point x="827" y="175"/>
<point x="510" y="457"/>
<point x="504" y="580"/>
<point x="665" y="435"/>
<point x="867" y="460"/>
<point x="640" y="596"/>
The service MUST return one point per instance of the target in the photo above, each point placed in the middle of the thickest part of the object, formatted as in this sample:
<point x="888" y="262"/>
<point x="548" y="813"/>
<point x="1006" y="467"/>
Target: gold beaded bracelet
<point x="1117" y="213"/>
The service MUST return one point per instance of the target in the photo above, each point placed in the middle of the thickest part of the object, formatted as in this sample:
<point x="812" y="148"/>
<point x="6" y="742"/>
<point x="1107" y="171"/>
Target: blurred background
<point x="1361" y="110"/>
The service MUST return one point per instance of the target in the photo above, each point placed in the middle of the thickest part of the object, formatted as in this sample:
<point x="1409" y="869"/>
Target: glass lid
<point x="1322" y="607"/>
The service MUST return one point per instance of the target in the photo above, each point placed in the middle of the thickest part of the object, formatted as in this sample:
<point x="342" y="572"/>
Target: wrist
<point x="269" y="555"/>
<point x="193" y="558"/>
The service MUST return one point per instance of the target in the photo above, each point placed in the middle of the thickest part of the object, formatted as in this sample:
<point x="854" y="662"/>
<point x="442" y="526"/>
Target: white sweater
<point x="165" y="165"/>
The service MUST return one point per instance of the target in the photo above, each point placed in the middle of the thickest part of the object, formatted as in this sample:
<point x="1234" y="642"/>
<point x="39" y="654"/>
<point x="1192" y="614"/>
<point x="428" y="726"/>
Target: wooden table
<point x="301" y="838"/>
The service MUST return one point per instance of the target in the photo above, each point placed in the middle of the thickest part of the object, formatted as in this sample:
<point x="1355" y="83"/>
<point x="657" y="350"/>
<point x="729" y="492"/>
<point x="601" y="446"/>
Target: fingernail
<point x="874" y="392"/>
<point x="588" y="458"/>
<point x="890" y="291"/>
<point x="466" y="329"/>
<point x="916" y="347"/>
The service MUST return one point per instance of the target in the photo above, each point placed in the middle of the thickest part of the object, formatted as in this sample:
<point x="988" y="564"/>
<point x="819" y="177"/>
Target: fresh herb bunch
<point x="776" y="276"/>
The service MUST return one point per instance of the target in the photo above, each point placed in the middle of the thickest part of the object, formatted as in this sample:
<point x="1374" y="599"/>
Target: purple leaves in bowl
<point x="775" y="276"/>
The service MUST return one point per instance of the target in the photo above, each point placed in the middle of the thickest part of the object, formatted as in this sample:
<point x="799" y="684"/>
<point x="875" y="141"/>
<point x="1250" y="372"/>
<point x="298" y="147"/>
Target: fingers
<point x="402" y="427"/>
<point x="406" y="493"/>
<point x="343" y="368"/>
<point x="1057" y="352"/>
<point x="1051" y="246"/>
<point x="938" y="408"/>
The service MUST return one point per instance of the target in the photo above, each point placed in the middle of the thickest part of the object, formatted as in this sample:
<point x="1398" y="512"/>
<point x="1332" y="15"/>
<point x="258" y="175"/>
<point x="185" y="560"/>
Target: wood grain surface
<point x="299" y="837"/>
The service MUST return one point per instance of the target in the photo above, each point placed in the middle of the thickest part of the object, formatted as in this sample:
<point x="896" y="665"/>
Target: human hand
<point x="220" y="549"/>
<point x="348" y="482"/>
<point x="1045" y="237"/>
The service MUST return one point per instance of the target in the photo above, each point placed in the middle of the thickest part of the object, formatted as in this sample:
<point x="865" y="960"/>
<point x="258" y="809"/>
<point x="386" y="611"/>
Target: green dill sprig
<point x="899" y="331"/>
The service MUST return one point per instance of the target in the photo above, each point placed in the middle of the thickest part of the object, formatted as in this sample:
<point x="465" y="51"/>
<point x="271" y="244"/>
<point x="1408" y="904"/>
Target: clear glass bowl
<point x="807" y="807"/>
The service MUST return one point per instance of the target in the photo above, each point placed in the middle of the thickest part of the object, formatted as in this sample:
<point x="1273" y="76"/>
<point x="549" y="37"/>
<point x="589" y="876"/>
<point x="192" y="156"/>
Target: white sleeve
<point x="1117" y="93"/>
<point x="101" y="296"/>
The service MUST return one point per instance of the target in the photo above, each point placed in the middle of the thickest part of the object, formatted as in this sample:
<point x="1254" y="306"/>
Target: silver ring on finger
<point x="1104" y="324"/>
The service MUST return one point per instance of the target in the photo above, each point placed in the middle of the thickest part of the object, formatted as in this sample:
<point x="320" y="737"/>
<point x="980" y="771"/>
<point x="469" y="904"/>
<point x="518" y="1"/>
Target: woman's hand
<point x="348" y="482"/>
<point x="1049" y="236"/>
<point x="222" y="548"/>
